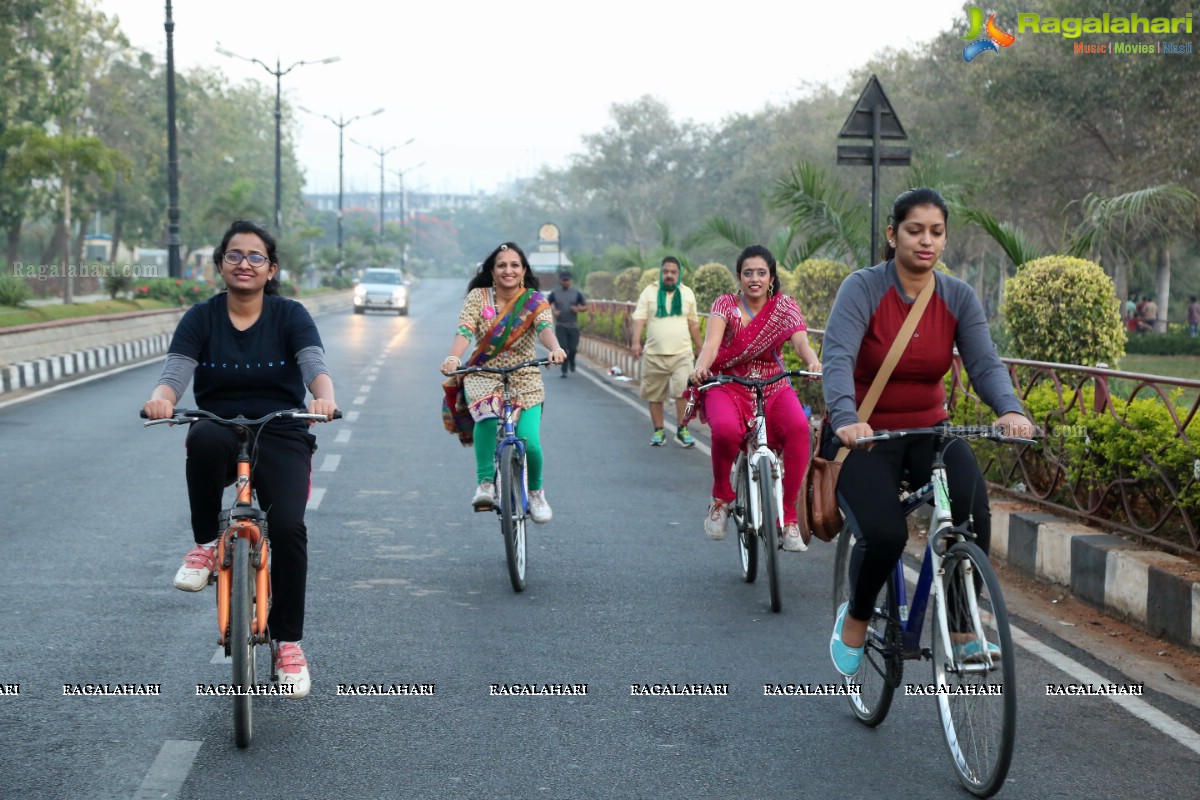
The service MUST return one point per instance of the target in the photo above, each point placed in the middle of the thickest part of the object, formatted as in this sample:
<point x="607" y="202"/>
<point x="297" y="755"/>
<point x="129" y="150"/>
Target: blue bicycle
<point x="971" y="649"/>
<point x="511" y="478"/>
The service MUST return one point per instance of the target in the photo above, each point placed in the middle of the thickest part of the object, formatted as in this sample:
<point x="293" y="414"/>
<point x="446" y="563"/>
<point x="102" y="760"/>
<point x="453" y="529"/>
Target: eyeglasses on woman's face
<point x="234" y="257"/>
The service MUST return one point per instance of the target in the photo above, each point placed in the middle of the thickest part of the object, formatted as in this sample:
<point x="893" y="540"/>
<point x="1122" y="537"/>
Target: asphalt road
<point x="407" y="585"/>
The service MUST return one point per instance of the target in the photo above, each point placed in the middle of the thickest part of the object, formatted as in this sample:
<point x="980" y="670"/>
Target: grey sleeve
<point x="989" y="377"/>
<point x="844" y="333"/>
<point x="312" y="364"/>
<point x="177" y="373"/>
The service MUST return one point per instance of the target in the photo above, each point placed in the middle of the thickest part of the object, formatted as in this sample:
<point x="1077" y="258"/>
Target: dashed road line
<point x="358" y="401"/>
<point x="315" y="497"/>
<point x="351" y="416"/>
<point x="330" y="464"/>
<point x="169" y="770"/>
<point x="701" y="446"/>
<point x="343" y="436"/>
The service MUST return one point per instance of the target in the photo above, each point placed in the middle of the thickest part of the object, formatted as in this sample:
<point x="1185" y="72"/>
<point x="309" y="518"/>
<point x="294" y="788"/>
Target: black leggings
<point x="868" y="492"/>
<point x="568" y="337"/>
<point x="281" y="478"/>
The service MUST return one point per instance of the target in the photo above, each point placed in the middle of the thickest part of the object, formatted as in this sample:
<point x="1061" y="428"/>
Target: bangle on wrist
<point x="457" y="360"/>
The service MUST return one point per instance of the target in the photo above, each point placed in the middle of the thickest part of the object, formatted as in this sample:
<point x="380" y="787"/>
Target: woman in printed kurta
<point x="500" y="318"/>
<point x="745" y="337"/>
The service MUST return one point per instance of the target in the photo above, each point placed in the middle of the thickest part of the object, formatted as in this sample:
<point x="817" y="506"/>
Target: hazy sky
<point x="491" y="91"/>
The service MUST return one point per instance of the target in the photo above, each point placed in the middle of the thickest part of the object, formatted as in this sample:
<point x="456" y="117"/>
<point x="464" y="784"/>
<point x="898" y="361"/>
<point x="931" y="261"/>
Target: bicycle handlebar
<point x="717" y="380"/>
<point x="994" y="432"/>
<point x="537" y="362"/>
<point x="185" y="416"/>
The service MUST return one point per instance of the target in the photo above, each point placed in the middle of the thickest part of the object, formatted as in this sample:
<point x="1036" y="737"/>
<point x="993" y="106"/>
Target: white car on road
<point x="383" y="289"/>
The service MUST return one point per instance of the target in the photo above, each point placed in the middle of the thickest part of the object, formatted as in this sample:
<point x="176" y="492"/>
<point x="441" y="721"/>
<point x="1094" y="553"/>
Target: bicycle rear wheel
<point x="977" y="693"/>
<point x="512" y="514"/>
<point x="883" y="662"/>
<point x="769" y="532"/>
<point x="746" y="535"/>
<point x="241" y="640"/>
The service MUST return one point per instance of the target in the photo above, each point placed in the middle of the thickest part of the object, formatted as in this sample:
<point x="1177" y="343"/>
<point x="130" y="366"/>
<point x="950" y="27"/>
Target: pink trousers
<point x="787" y="433"/>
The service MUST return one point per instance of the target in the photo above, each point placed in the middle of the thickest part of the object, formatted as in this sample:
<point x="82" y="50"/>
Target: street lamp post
<point x="174" y="243"/>
<point x="341" y="124"/>
<point x="278" y="73"/>
<point x="381" y="152"/>
<point x="400" y="173"/>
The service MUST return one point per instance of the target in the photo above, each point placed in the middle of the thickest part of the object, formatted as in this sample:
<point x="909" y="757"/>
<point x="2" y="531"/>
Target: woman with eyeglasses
<point x="251" y="352"/>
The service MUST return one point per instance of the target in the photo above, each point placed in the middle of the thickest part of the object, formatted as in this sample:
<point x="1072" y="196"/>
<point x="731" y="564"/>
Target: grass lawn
<point x="10" y="315"/>
<point x="1175" y="366"/>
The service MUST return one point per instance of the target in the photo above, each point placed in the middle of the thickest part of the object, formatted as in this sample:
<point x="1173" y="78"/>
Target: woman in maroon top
<point x="870" y="308"/>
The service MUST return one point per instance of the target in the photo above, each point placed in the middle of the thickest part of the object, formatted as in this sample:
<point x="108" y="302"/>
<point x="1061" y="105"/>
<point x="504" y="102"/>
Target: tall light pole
<point x="381" y="152"/>
<point x="341" y="124"/>
<point x="400" y="173"/>
<point x="278" y="73"/>
<point x="174" y="243"/>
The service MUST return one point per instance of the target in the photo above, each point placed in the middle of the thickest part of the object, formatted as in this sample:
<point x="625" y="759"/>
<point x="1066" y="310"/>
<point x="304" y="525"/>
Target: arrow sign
<point x="859" y="123"/>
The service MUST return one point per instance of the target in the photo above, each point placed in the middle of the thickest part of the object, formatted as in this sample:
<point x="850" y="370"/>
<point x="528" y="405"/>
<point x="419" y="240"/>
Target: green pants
<point x="529" y="426"/>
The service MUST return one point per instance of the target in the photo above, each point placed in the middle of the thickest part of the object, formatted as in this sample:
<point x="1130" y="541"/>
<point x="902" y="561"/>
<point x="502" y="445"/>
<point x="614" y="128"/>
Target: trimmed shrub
<point x="1063" y="309"/>
<point x="599" y="286"/>
<point x="173" y="290"/>
<point x="625" y="285"/>
<point x="1158" y="344"/>
<point x="710" y="282"/>
<point x="117" y="284"/>
<point x="815" y="284"/>
<point x="649" y="278"/>
<point x="13" y="291"/>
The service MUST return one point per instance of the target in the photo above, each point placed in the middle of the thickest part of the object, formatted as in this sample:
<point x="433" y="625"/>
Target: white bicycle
<point x="757" y="477"/>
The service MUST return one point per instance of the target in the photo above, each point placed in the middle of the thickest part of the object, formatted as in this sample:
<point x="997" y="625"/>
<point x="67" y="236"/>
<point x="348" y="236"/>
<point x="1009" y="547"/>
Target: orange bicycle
<point x="243" y="575"/>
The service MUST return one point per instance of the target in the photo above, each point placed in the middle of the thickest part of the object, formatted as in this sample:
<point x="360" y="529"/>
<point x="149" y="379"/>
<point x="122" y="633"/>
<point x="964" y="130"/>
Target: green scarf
<point x="676" y="303"/>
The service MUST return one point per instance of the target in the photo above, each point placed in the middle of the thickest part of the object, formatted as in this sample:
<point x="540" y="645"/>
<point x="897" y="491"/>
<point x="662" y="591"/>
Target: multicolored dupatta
<point x="511" y="323"/>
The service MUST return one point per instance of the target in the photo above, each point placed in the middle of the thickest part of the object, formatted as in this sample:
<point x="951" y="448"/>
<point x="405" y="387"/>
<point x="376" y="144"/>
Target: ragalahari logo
<point x="993" y="38"/>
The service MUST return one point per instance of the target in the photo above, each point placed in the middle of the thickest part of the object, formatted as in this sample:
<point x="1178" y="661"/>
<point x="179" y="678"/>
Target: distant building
<point x="414" y="202"/>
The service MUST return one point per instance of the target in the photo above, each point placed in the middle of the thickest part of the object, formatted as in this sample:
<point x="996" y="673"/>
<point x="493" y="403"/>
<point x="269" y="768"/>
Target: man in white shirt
<point x="667" y="312"/>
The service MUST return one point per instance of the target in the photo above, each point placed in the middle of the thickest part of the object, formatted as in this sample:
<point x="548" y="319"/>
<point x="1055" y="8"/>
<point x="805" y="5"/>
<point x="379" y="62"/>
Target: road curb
<point x="1123" y="579"/>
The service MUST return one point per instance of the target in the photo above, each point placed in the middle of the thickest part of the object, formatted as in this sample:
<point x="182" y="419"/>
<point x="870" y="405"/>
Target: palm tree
<point x="238" y="203"/>
<point x="69" y="159"/>
<point x="1143" y="219"/>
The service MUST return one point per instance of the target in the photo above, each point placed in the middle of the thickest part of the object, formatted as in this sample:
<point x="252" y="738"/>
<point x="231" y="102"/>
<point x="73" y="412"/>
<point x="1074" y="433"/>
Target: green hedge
<point x="1159" y="344"/>
<point x="172" y="290"/>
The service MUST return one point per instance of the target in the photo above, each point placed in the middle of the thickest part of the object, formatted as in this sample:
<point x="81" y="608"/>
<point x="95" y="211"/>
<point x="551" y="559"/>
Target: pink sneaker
<point x="292" y="668"/>
<point x="198" y="565"/>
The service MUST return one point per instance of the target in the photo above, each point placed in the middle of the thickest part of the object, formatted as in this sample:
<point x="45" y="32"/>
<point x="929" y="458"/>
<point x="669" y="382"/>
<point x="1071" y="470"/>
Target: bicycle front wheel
<point x="746" y="535"/>
<point x="241" y="640"/>
<point x="883" y="662"/>
<point x="769" y="532"/>
<point x="977" y="692"/>
<point x="512" y="514"/>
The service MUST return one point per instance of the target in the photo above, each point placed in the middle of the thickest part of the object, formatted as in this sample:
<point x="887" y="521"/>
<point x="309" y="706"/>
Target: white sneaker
<point x="793" y="540"/>
<point x="485" y="497"/>
<point x="539" y="509"/>
<point x="717" y="521"/>
<point x="292" y="668"/>
<point x="198" y="565"/>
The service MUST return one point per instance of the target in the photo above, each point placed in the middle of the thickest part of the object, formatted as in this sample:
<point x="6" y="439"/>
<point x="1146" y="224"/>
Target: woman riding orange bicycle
<point x="251" y="352"/>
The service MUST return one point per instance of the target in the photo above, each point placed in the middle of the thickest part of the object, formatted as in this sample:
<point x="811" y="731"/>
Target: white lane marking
<point x="366" y="387"/>
<point x="330" y="464"/>
<point x="169" y="770"/>
<point x="219" y="657"/>
<point x="343" y="436"/>
<point x="88" y="379"/>
<point x="372" y="377"/>
<point x="315" y="497"/>
<point x="358" y="401"/>
<point x="701" y="446"/>
<point x="1081" y="674"/>
<point x="372" y="370"/>
<point x="351" y="416"/>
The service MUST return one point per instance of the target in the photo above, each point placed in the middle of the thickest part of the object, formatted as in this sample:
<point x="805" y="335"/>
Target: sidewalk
<point x="1156" y="592"/>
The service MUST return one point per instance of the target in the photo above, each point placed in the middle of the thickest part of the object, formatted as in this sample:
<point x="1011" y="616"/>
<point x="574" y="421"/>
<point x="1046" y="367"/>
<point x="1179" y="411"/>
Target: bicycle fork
<point x="249" y="524"/>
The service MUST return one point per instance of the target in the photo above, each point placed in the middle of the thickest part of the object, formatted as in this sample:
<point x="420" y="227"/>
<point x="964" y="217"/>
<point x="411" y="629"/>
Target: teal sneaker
<point x="684" y="437"/>
<point x="972" y="652"/>
<point x="845" y="659"/>
<point x="659" y="438"/>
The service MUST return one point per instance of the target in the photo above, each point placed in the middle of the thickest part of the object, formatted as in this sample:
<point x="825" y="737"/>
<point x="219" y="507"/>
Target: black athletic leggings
<point x="868" y="493"/>
<point x="281" y="478"/>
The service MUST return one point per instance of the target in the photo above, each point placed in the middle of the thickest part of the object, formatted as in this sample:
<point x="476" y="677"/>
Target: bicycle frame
<point x="244" y="521"/>
<point x="754" y="450"/>
<point x="506" y="436"/>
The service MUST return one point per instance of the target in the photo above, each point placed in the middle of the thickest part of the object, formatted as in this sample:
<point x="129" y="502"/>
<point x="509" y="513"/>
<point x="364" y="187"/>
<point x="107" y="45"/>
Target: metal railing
<point x="1151" y="489"/>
